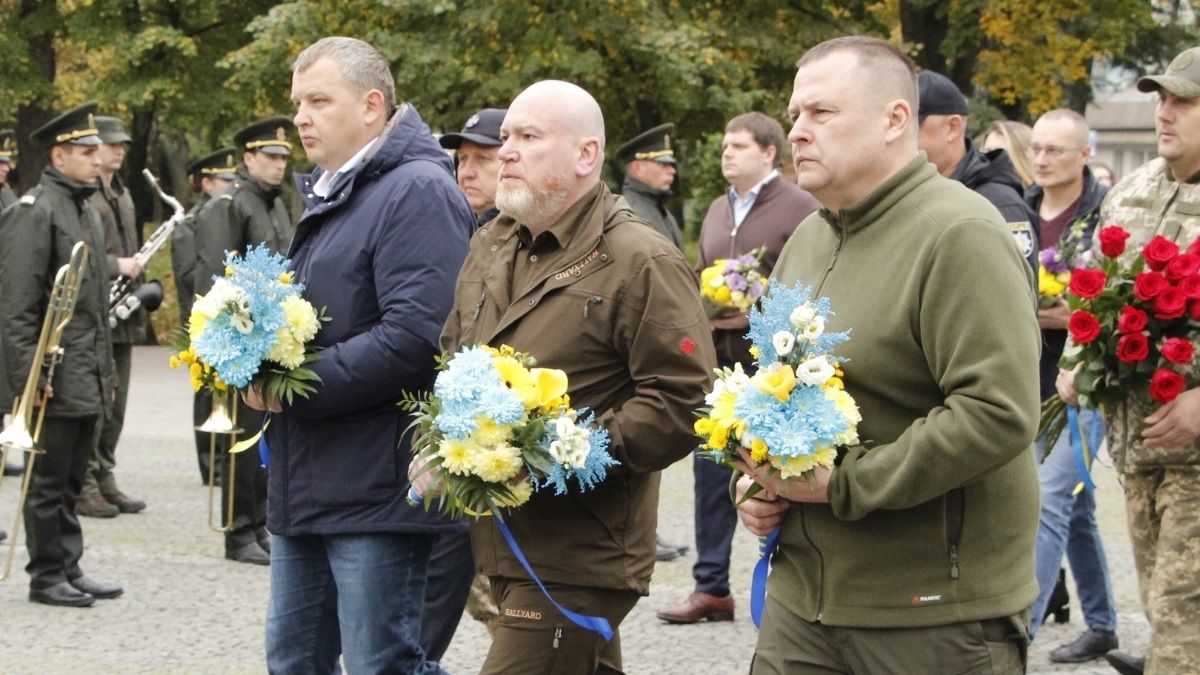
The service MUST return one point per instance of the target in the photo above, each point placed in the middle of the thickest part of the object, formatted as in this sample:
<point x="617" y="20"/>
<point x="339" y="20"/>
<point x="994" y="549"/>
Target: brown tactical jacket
<point x="616" y="307"/>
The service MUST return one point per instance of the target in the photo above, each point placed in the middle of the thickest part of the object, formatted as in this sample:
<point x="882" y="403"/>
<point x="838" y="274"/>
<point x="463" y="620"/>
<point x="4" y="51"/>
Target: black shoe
<point x="1059" y="605"/>
<point x="96" y="589"/>
<point x="250" y="553"/>
<point x="664" y="547"/>
<point x="1091" y="644"/>
<point x="265" y="543"/>
<point x="61" y="595"/>
<point x="1126" y="664"/>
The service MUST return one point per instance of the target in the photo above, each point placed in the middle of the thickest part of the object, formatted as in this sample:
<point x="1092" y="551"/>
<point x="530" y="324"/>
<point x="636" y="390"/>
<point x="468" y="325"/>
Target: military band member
<point x="211" y="175"/>
<point x="250" y="212"/>
<point x="36" y="238"/>
<point x="647" y="187"/>
<point x="101" y="498"/>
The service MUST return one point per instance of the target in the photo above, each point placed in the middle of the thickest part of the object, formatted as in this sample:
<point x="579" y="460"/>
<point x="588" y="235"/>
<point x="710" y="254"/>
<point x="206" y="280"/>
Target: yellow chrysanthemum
<point x="845" y="404"/>
<point x="1049" y="284"/>
<point x="777" y="381"/>
<point x="489" y="434"/>
<point x="498" y="464"/>
<point x="228" y="271"/>
<point x="722" y="295"/>
<point x="174" y="361"/>
<point x="286" y="351"/>
<point x="521" y="492"/>
<point x="755" y="351"/>
<point x="301" y="318"/>
<point x="703" y="426"/>
<point x="285" y="278"/>
<point x="195" y="370"/>
<point x="456" y="456"/>
<point x="758" y="450"/>
<point x="798" y="466"/>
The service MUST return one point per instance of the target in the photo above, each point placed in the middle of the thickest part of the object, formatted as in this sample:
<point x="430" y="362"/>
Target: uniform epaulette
<point x="225" y="196"/>
<point x="30" y="197"/>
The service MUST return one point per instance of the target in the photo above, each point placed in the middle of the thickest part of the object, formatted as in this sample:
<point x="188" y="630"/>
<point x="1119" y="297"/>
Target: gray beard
<point x="531" y="205"/>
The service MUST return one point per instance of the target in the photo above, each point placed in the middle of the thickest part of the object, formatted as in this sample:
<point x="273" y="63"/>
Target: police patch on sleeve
<point x="1023" y="234"/>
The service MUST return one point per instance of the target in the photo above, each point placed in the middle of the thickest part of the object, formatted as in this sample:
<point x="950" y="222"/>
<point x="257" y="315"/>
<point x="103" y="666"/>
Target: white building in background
<point x="1123" y="129"/>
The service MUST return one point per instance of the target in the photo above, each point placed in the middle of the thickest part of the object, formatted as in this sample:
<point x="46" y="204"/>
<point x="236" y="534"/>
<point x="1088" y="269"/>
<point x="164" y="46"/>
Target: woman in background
<point x="1012" y="137"/>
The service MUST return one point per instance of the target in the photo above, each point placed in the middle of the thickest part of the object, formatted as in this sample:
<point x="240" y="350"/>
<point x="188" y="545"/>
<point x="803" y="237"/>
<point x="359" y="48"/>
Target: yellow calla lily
<point x="778" y="381"/>
<point x="551" y="386"/>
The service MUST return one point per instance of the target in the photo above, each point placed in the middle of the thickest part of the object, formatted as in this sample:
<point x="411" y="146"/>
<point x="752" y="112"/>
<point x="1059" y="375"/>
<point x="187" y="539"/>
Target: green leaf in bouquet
<point x="178" y="340"/>
<point x="539" y="461"/>
<point x="1053" y="421"/>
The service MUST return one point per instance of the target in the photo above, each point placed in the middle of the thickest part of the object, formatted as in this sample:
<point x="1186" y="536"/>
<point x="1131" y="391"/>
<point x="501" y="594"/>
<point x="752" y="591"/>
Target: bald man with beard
<point x="570" y="274"/>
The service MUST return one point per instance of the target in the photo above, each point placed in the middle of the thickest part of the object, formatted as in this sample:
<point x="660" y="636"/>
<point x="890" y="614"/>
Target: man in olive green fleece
<point x="915" y="554"/>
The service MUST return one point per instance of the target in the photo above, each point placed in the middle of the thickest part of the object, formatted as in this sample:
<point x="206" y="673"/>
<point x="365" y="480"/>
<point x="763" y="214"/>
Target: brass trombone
<point x="222" y="420"/>
<point x="46" y="357"/>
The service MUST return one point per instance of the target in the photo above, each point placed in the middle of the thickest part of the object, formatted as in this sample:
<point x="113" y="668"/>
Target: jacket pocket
<point x="956" y="507"/>
<point x="354" y="462"/>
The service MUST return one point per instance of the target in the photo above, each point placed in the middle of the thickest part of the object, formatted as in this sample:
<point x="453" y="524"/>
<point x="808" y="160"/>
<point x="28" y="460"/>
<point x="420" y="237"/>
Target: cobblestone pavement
<point x="187" y="610"/>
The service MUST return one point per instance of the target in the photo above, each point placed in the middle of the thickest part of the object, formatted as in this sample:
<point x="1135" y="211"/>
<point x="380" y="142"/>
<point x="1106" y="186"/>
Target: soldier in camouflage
<point x="1157" y="451"/>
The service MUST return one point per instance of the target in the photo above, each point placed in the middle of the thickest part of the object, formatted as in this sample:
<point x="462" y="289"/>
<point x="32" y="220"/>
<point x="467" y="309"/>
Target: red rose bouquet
<point x="1132" y="325"/>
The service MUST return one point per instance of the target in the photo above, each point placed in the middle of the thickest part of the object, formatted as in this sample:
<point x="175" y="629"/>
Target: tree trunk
<point x="34" y="114"/>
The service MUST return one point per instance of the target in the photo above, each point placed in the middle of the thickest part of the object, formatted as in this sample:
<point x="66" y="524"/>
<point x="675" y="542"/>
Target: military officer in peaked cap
<point x="650" y="171"/>
<point x="8" y="148"/>
<point x="100" y="497"/>
<point x="210" y="175"/>
<point x="36" y="238"/>
<point x="248" y="213"/>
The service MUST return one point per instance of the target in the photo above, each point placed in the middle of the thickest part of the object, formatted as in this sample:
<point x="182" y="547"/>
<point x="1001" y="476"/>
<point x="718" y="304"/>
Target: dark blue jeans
<point x="359" y="595"/>
<point x="1068" y="524"/>
<point x="716" y="521"/>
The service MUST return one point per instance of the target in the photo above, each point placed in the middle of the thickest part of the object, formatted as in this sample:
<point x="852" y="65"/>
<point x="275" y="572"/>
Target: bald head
<point x="1070" y="121"/>
<point x="552" y="154"/>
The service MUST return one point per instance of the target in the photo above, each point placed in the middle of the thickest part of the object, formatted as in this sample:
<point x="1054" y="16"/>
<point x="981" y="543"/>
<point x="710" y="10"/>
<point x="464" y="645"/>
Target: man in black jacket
<point x="37" y="237"/>
<point x="382" y="238"/>
<point x="942" y="134"/>
<point x="1067" y="201"/>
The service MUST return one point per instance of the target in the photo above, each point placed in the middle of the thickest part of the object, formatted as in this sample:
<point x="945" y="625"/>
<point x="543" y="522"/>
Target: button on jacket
<point x="615" y="307"/>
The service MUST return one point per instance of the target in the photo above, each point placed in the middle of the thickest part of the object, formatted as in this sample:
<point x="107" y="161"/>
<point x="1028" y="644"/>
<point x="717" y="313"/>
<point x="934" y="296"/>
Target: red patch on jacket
<point x="687" y="346"/>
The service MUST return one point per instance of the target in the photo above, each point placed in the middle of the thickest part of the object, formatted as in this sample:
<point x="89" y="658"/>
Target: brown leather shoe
<point x="124" y="502"/>
<point x="92" y="505"/>
<point x="699" y="606"/>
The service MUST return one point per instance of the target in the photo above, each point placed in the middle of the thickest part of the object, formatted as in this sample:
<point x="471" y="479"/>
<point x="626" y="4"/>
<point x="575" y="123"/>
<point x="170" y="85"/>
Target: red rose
<point x="1183" y="266"/>
<point x="1165" y="385"/>
<point x="1133" y="347"/>
<point x="1147" y="285"/>
<point x="1159" y="252"/>
<point x="1132" y="320"/>
<point x="1171" y="303"/>
<point x="1191" y="287"/>
<point x="1177" y="350"/>
<point x="1084" y="327"/>
<point x="1112" y="240"/>
<point x="1086" y="283"/>
<point x="1194" y="247"/>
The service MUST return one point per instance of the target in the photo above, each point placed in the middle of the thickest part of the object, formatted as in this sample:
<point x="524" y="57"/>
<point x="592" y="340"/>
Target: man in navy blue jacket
<point x="379" y="247"/>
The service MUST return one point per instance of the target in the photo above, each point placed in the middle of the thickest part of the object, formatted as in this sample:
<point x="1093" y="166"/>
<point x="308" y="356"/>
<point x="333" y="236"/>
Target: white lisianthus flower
<point x="814" y="329"/>
<point x="802" y="315"/>
<point x="737" y="296"/>
<point x="747" y="440"/>
<point x="719" y="388"/>
<point x="737" y="379"/>
<point x="815" y="371"/>
<point x="716" y="282"/>
<point x="241" y="321"/>
<point x="784" y="341"/>
<point x="571" y="447"/>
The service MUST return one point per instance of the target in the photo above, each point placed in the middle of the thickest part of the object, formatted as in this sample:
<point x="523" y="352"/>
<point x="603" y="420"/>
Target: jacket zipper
<point x="956" y="505"/>
<point x="841" y="234"/>
<point x="820" y="567"/>
<point x="594" y="300"/>
<point x="479" y="306"/>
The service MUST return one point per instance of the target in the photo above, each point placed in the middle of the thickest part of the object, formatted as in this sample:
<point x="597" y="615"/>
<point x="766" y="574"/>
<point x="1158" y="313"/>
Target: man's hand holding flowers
<point x="812" y="487"/>
<point x="1055" y="316"/>
<point x="763" y="513"/>
<point x="254" y="398"/>
<point x="1175" y="424"/>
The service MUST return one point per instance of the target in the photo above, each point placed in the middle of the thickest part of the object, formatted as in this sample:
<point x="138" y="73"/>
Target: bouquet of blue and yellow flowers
<point x="252" y="326"/>
<point x="496" y="428"/>
<point x="794" y="412"/>
<point x="732" y="285"/>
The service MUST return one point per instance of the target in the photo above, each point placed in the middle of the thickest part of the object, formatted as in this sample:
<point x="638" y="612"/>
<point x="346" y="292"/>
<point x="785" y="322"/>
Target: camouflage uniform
<point x="1162" y="485"/>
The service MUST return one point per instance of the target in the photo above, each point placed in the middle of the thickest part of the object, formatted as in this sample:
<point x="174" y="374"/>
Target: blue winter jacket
<point x="381" y="254"/>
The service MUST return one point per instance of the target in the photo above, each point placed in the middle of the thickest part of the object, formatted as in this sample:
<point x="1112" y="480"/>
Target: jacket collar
<point x="873" y="206"/>
<point x="632" y="184"/>
<point x="267" y="193"/>
<point x="76" y="190"/>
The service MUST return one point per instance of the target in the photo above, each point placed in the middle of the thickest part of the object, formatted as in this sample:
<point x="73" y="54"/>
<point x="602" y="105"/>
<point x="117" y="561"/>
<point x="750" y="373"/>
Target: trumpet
<point x="24" y="432"/>
<point x="222" y="420"/>
<point x="122" y="299"/>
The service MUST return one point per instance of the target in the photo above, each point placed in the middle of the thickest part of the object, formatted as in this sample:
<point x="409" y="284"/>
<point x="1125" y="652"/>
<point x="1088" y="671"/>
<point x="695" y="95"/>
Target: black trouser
<point x="249" y="482"/>
<point x="448" y="585"/>
<point x="52" y="531"/>
<point x="104" y="460"/>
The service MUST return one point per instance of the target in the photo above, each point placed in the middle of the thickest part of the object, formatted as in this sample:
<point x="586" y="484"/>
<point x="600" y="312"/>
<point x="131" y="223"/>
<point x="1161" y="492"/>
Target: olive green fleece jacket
<point x="932" y="520"/>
